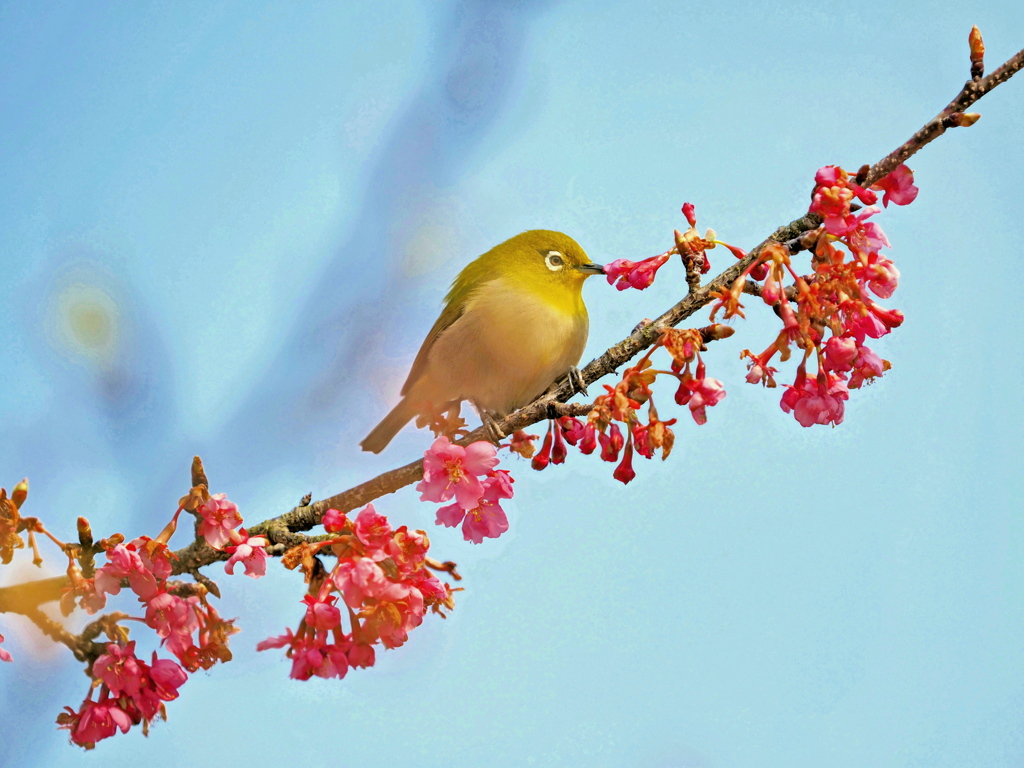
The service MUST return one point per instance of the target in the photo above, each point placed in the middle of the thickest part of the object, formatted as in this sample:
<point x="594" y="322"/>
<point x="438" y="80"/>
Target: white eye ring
<point x="554" y="261"/>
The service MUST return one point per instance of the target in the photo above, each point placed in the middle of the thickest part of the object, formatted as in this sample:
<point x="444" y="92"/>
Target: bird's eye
<point x="554" y="261"/>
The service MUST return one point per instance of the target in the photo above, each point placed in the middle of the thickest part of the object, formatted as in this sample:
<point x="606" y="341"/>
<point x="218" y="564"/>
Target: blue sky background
<point x="268" y="200"/>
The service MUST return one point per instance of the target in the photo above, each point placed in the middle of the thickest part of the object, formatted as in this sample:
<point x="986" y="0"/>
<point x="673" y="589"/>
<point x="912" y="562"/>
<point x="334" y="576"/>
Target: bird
<point x="513" y="323"/>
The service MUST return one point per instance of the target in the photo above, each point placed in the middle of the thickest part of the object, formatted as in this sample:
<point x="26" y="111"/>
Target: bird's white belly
<point x="505" y="350"/>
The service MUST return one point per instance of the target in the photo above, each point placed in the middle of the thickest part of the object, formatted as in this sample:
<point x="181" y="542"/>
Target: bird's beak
<point x="591" y="269"/>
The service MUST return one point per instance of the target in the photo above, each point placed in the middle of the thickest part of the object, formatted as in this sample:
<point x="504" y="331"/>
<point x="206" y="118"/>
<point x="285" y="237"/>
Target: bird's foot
<point x="579" y="386"/>
<point x="494" y="433"/>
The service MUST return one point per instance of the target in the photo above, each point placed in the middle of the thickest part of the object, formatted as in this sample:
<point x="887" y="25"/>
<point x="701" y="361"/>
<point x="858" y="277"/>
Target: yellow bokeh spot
<point x="84" y="322"/>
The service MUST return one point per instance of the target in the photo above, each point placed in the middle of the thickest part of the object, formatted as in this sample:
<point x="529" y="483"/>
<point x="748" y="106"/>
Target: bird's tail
<point x="378" y="439"/>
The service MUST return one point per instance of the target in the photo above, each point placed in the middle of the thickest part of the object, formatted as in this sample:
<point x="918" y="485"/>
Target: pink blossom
<point x="866" y="196"/>
<point x="487" y="520"/>
<point x="119" y="669"/>
<point x="867" y="237"/>
<point x="174" y="619"/>
<point x="249" y="551"/>
<point x="167" y="614"/>
<point x="334" y="521"/>
<point x="361" y="655"/>
<point x="322" y="614"/>
<point x="373" y="529"/>
<point x="699" y="393"/>
<point x="611" y="443"/>
<point x="817" y="401"/>
<point x="399" y="611"/>
<point x="502" y="483"/>
<point x="832" y="203"/>
<point x="451" y="470"/>
<point x="876" y="322"/>
<point x="840" y="352"/>
<point x="639" y="275"/>
<point x="430" y="586"/>
<point x="98" y="721"/>
<point x="155" y="556"/>
<point x="710" y="392"/>
<point x="306" y="658"/>
<point x="864" y="324"/>
<point x="408" y="549"/>
<point x="280" y="641"/>
<point x="335" y="661"/>
<point x="898" y="187"/>
<point x="5" y="655"/>
<point x="314" y="657"/>
<point x="167" y="677"/>
<point x="219" y="517"/>
<point x="829" y="175"/>
<point x="879" y="274"/>
<point x="642" y="440"/>
<point x="868" y="366"/>
<point x="359" y="579"/>
<point x="125" y="563"/>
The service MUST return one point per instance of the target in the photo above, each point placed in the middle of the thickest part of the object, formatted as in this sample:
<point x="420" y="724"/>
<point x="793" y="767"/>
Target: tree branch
<point x="970" y="93"/>
<point x="283" y="529"/>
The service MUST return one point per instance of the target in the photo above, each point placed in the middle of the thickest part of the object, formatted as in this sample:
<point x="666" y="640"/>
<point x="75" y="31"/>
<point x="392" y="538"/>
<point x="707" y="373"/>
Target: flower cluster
<point x="218" y="520"/>
<point x="623" y="273"/>
<point x="469" y="476"/>
<point x="130" y="692"/>
<point x="622" y="405"/>
<point x="189" y="627"/>
<point x="10" y="520"/>
<point x="383" y="579"/>
<point x="691" y="247"/>
<point x="830" y="313"/>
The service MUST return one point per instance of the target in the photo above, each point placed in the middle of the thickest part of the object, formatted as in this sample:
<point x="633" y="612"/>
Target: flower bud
<point x="558" y="450"/>
<point x="542" y="459"/>
<point x="977" y="46"/>
<point x="717" y="331"/>
<point x="589" y="442"/>
<point x="961" y="119"/>
<point x="334" y="521"/>
<point x="691" y="213"/>
<point x="624" y="473"/>
<point x="19" y="493"/>
<point x="84" y="532"/>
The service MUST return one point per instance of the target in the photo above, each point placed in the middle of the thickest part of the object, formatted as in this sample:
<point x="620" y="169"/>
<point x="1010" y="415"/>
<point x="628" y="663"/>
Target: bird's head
<point x="542" y="261"/>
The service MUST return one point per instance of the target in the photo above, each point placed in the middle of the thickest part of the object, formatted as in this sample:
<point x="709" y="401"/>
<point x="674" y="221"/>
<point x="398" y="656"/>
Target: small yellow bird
<point x="513" y="323"/>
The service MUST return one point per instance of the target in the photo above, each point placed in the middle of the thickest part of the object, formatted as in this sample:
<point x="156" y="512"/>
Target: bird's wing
<point x="466" y="284"/>
<point x="451" y="312"/>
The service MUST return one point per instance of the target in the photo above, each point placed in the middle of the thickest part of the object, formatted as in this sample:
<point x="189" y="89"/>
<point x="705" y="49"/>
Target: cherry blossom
<point x="450" y="470"/>
<point x="124" y="562"/>
<point x="487" y="520"/>
<point x="898" y="187"/>
<point x="639" y="274"/>
<point x="219" y="516"/>
<point x="249" y="551"/>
